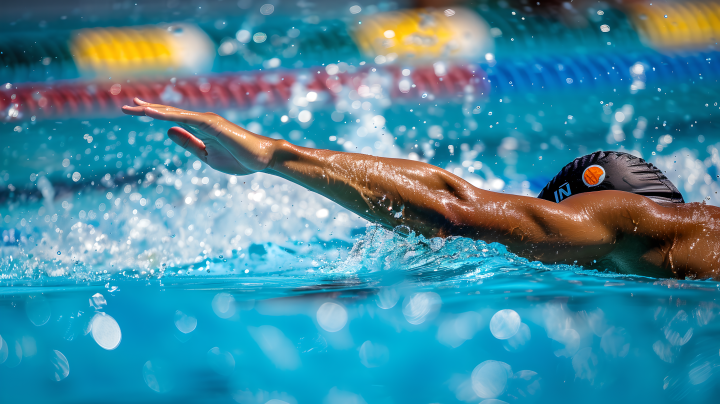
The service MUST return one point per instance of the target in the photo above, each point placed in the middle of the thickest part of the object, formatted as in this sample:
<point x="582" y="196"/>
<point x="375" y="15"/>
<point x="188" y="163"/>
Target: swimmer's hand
<point x="221" y="144"/>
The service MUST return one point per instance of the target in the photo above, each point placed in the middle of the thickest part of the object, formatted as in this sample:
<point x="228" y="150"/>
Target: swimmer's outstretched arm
<point x="427" y="199"/>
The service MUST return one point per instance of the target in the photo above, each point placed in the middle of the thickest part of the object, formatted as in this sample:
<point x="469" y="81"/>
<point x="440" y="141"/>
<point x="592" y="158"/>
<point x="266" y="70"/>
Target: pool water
<point x="404" y="336"/>
<point x="130" y="271"/>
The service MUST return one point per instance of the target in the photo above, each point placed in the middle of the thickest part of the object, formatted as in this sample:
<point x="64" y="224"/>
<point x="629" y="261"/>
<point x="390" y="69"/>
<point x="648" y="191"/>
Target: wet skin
<point x="612" y="230"/>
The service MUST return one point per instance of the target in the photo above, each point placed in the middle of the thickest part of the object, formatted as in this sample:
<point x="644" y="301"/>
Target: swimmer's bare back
<point x="613" y="230"/>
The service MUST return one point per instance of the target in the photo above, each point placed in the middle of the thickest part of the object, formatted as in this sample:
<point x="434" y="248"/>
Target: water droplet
<point x="505" y="323"/>
<point x="418" y="307"/>
<point x="223" y="305"/>
<point x="424" y="95"/>
<point x="37" y="309"/>
<point x="373" y="355"/>
<point x="59" y="253"/>
<point x="106" y="331"/>
<point x="157" y="376"/>
<point x="60" y="366"/>
<point x="98" y="301"/>
<point x="267" y="9"/>
<point x="185" y="323"/>
<point x="276" y="346"/>
<point x="387" y="298"/>
<point x="332" y="317"/>
<point x="221" y="361"/>
<point x="519" y="340"/>
<point x="567" y="342"/>
<point x="665" y="15"/>
<point x="3" y="350"/>
<point x="490" y="378"/>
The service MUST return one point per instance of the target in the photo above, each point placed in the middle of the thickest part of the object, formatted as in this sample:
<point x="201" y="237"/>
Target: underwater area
<point x="130" y="271"/>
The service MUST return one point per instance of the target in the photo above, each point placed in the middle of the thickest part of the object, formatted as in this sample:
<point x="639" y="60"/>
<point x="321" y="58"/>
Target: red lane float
<point x="91" y="99"/>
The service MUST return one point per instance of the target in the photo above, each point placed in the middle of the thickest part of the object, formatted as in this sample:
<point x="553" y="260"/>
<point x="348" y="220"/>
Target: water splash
<point x="401" y="251"/>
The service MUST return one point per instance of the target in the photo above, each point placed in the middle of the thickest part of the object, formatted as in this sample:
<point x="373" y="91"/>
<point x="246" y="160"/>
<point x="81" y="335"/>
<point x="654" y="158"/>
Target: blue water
<point x="132" y="272"/>
<point x="402" y="337"/>
<point x="147" y="276"/>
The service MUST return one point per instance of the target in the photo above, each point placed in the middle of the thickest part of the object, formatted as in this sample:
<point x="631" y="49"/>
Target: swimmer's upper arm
<point x="580" y="228"/>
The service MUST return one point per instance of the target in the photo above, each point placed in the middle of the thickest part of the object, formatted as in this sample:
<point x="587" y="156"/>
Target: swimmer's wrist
<point x="288" y="159"/>
<point x="281" y="152"/>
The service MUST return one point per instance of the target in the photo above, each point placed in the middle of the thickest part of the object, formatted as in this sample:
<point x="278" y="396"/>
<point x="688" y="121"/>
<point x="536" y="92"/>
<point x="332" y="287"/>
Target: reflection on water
<point x="518" y="336"/>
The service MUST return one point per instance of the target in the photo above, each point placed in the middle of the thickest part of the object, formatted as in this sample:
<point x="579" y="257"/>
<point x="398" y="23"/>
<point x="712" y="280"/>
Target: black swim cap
<point x="601" y="171"/>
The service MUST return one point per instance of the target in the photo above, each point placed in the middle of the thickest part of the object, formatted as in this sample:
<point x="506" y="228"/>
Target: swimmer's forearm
<point x="393" y="192"/>
<point x="389" y="191"/>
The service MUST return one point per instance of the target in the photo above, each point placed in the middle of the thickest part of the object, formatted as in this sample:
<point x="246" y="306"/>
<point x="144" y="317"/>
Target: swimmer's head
<point x="601" y="171"/>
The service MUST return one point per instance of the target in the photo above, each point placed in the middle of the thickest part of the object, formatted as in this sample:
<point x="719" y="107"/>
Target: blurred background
<point x="516" y="77"/>
<point x="452" y="81"/>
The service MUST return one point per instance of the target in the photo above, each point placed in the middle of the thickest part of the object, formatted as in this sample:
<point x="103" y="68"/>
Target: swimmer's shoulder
<point x="697" y="211"/>
<point x="696" y="241"/>
<point x="697" y="219"/>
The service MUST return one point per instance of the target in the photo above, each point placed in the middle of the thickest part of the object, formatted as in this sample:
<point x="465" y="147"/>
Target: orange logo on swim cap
<point x="593" y="176"/>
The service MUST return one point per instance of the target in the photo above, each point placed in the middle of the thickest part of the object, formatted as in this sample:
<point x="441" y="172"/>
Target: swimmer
<point x="603" y="211"/>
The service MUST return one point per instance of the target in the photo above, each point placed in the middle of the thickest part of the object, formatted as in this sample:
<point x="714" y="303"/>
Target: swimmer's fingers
<point x="202" y="120"/>
<point x="139" y="108"/>
<point x="137" y="111"/>
<point x="165" y="113"/>
<point x="187" y="141"/>
<point x="137" y="101"/>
